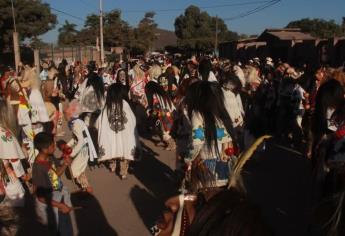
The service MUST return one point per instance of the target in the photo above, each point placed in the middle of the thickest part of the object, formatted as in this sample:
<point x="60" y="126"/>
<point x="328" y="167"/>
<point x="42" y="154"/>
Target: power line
<point x="257" y="9"/>
<point x="253" y="11"/>
<point x="202" y="7"/>
<point x="266" y="4"/>
<point x="68" y="14"/>
<point x="260" y="8"/>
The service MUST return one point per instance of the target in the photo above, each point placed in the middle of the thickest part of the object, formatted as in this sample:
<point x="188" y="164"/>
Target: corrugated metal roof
<point x="289" y="34"/>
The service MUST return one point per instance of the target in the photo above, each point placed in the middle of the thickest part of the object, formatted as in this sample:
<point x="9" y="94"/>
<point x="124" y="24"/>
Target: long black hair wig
<point x="329" y="216"/>
<point x="152" y="88"/>
<point x="205" y="67"/>
<point x="98" y="86"/>
<point x="207" y="99"/>
<point x="114" y="101"/>
<point x="329" y="95"/>
<point x="231" y="82"/>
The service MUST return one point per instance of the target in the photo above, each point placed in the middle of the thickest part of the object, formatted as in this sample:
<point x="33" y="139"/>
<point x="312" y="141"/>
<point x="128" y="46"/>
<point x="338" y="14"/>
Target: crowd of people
<point x="215" y="114"/>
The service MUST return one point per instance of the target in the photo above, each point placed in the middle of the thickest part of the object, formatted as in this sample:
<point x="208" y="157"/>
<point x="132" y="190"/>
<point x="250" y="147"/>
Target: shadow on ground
<point x="90" y="219"/>
<point x="28" y="223"/>
<point x="160" y="184"/>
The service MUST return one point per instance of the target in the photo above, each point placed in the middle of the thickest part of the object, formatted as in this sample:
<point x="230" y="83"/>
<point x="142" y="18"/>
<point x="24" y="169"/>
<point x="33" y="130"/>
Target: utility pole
<point x="15" y="40"/>
<point x="101" y="30"/>
<point x="216" y="40"/>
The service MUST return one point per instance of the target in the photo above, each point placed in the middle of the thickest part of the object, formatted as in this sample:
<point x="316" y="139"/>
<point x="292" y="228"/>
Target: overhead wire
<point x="253" y="11"/>
<point x="201" y="7"/>
<point x="265" y="5"/>
<point x="67" y="14"/>
<point x="260" y="8"/>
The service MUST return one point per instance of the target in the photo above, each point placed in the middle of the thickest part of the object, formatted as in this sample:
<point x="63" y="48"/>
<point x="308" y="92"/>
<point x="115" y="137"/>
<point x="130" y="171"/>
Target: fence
<point x="83" y="54"/>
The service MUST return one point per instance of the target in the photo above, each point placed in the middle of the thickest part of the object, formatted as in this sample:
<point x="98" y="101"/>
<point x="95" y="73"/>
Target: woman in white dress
<point x="39" y="112"/>
<point x="11" y="155"/>
<point x="137" y="89"/>
<point x="117" y="137"/>
<point x="91" y="98"/>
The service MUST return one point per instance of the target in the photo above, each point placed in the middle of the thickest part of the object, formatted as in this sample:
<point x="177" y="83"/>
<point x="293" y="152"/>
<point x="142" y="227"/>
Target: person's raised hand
<point x="67" y="161"/>
<point x="65" y="209"/>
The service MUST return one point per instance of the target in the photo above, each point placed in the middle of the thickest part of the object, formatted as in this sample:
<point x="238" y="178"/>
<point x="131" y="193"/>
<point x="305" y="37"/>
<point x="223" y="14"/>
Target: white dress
<point x="209" y="156"/>
<point x="89" y="101"/>
<point x="234" y="107"/>
<point x="10" y="155"/>
<point x="9" y="146"/>
<point x="116" y="140"/>
<point x="38" y="109"/>
<point x="83" y="149"/>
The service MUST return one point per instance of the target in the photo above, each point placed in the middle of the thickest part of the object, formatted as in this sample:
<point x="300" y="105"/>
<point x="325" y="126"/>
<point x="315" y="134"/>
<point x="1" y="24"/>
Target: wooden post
<point x="80" y="56"/>
<point x="216" y="39"/>
<point x="52" y="47"/>
<point x="101" y="30"/>
<point x="16" y="50"/>
<point x="37" y="59"/>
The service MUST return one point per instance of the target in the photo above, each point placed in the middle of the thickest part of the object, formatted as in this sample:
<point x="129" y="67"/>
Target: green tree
<point x="67" y="34"/>
<point x="145" y="33"/>
<point x="32" y="19"/>
<point x="196" y="30"/>
<point x="37" y="43"/>
<point x="89" y="33"/>
<point x="116" y="31"/>
<point x="318" y="27"/>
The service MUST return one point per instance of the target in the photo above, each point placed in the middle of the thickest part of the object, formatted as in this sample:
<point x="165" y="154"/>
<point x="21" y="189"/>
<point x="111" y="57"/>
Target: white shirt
<point x="233" y="105"/>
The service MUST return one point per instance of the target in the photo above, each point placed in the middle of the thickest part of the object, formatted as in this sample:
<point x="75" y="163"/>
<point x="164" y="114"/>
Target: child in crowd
<point x="52" y="197"/>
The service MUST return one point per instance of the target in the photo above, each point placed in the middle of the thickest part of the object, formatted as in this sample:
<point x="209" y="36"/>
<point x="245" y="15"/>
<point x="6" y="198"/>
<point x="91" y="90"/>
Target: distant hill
<point x="164" y="38"/>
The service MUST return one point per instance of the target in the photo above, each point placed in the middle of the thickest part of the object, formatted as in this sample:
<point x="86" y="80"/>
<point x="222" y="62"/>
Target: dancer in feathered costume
<point x="161" y="108"/>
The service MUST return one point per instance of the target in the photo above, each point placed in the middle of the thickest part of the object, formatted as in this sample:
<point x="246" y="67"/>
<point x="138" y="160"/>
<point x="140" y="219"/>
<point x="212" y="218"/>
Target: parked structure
<point x="288" y="45"/>
<point x="83" y="54"/>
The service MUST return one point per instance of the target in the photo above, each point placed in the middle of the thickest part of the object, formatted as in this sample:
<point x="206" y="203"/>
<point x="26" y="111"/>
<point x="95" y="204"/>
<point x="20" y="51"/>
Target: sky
<point x="276" y="16"/>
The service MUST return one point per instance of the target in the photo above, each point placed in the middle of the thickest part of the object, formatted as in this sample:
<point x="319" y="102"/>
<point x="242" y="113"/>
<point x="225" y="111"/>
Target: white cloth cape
<point x="117" y="145"/>
<point x="82" y="148"/>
